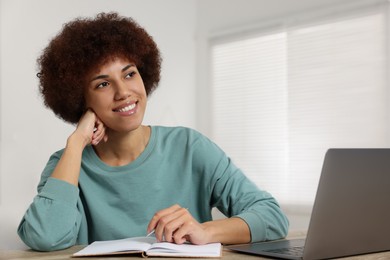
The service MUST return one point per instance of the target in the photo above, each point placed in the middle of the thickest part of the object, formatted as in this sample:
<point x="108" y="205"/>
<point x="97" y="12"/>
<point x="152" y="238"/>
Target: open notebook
<point x="148" y="246"/>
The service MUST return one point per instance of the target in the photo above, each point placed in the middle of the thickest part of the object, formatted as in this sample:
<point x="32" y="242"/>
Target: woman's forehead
<point x="103" y="63"/>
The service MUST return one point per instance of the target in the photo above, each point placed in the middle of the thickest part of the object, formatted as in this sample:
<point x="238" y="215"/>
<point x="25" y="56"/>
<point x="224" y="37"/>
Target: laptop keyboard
<point x="294" y="251"/>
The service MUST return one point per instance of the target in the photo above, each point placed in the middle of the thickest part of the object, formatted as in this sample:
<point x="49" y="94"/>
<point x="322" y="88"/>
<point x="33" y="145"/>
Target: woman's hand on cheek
<point x="91" y="128"/>
<point x="99" y="132"/>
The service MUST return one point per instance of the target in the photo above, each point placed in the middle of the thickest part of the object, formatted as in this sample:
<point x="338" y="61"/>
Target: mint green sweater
<point x="178" y="166"/>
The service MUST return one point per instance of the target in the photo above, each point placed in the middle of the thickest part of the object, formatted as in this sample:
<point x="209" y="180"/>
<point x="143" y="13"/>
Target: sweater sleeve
<point x="236" y="196"/>
<point x="53" y="220"/>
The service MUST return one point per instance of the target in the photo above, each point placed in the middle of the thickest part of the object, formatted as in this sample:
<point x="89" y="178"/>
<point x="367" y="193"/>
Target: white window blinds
<point x="281" y="99"/>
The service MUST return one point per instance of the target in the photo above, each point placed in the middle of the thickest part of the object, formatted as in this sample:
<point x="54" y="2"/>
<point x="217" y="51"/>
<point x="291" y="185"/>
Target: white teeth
<point x="125" y="109"/>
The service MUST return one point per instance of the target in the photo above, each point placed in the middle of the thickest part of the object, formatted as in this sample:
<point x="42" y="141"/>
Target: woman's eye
<point x="102" y="85"/>
<point x="130" y="75"/>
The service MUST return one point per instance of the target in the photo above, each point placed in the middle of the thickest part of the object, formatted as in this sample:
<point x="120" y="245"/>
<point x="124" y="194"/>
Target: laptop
<point x="351" y="212"/>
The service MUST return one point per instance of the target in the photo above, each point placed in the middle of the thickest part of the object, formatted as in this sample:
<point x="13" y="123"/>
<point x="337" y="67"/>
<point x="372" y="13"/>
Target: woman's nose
<point x="122" y="91"/>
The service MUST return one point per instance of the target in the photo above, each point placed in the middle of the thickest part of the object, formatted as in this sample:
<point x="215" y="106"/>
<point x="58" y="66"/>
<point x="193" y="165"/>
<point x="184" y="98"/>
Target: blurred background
<point x="275" y="83"/>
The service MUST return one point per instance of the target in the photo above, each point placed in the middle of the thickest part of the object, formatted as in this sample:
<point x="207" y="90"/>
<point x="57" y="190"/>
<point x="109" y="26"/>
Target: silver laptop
<point x="351" y="212"/>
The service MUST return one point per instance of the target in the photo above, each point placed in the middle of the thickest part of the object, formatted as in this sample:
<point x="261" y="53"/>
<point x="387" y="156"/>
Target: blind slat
<point x="281" y="100"/>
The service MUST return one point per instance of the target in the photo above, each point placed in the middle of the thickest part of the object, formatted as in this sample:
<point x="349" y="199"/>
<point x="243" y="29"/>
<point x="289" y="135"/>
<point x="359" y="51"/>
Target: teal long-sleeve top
<point x="178" y="166"/>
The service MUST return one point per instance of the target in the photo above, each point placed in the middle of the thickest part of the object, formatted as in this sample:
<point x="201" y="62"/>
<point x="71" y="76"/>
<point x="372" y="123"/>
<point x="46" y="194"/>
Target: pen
<point x="150" y="233"/>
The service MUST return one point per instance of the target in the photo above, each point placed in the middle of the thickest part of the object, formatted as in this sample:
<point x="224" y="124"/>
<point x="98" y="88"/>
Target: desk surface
<point x="66" y="254"/>
<point x="226" y="254"/>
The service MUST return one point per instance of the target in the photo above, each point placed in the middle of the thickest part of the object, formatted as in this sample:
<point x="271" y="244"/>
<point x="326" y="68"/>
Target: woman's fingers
<point x="183" y="234"/>
<point x="158" y="215"/>
<point x="99" y="132"/>
<point x="170" y="223"/>
<point x="176" y="224"/>
<point x="92" y="128"/>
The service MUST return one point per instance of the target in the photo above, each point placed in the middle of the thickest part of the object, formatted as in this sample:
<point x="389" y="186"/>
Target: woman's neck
<point x="123" y="148"/>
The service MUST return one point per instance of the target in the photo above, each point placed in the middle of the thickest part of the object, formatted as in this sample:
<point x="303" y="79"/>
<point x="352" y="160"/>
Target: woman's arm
<point x="68" y="168"/>
<point x="253" y="214"/>
<point x="175" y="224"/>
<point x="228" y="231"/>
<point x="53" y="220"/>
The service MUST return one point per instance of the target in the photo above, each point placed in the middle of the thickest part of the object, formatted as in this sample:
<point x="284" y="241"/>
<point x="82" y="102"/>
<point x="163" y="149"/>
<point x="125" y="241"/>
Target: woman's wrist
<point x="77" y="141"/>
<point x="210" y="231"/>
<point x="68" y="167"/>
<point x="227" y="231"/>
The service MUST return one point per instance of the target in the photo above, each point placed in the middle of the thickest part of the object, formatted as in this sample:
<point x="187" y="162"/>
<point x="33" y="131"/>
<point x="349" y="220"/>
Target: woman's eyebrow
<point x="106" y="76"/>
<point x="127" y="67"/>
<point x="99" y="77"/>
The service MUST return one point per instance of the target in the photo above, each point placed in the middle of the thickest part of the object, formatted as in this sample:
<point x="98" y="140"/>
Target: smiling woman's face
<point x="116" y="93"/>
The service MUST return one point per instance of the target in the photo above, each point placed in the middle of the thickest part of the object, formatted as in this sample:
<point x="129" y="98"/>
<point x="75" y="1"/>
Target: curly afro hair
<point x="82" y="45"/>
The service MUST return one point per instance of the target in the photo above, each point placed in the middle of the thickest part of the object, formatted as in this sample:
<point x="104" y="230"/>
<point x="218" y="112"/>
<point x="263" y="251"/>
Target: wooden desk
<point x="66" y="254"/>
<point x="226" y="254"/>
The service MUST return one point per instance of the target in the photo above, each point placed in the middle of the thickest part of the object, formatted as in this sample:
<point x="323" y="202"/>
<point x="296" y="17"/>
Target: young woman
<point x="117" y="178"/>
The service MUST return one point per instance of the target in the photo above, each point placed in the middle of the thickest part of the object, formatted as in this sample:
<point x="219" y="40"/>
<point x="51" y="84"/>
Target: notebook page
<point x="171" y="249"/>
<point x="111" y="246"/>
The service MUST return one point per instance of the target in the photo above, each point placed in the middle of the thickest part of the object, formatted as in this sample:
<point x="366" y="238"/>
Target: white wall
<point x="30" y="132"/>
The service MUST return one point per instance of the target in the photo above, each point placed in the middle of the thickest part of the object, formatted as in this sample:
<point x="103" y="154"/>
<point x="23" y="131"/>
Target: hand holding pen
<point x="153" y="232"/>
<point x="176" y="225"/>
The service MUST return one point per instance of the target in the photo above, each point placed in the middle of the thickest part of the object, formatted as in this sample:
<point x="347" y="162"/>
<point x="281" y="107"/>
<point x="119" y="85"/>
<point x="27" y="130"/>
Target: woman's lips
<point x="128" y="109"/>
